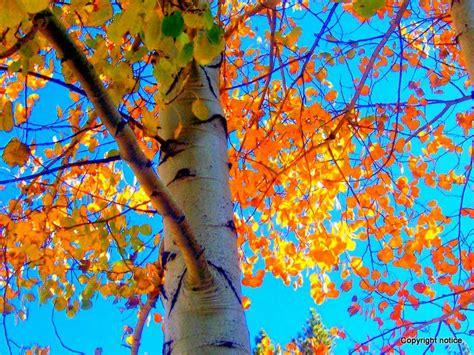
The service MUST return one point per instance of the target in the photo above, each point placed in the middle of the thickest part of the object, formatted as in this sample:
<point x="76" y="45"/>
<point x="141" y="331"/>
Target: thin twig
<point x="59" y="337"/>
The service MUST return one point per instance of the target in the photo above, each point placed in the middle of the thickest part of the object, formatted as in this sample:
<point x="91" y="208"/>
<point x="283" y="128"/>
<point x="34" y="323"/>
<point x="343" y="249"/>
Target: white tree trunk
<point x="194" y="166"/>
<point x="462" y="13"/>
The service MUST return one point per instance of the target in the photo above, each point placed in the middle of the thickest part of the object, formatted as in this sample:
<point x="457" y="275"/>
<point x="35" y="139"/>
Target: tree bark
<point x="195" y="168"/>
<point x="462" y="13"/>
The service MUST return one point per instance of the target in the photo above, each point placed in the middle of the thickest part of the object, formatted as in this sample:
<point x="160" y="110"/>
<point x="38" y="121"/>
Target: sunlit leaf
<point x="16" y="153"/>
<point x="7" y="117"/>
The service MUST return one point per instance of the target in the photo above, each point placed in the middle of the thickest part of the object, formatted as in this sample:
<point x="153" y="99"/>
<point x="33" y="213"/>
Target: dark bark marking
<point x="226" y="344"/>
<point x="231" y="225"/>
<point x="209" y="83"/>
<point x="167" y="347"/>
<point x="163" y="292"/>
<point x="182" y="174"/>
<point x="175" y="296"/>
<point x="221" y="271"/>
<point x="167" y="257"/>
<point x="121" y="125"/>
<point x="217" y="117"/>
<point x="170" y="149"/>
<point x="173" y="84"/>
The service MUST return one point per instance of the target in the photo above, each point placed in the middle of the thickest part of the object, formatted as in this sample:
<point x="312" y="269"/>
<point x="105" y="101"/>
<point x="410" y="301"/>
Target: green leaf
<point x="173" y="25"/>
<point x="185" y="55"/>
<point x="368" y="8"/>
<point x="200" y="110"/>
<point x="16" y="153"/>
<point x="86" y="304"/>
<point x="208" y="19"/>
<point x="6" y="117"/>
<point x="215" y="34"/>
<point x="112" y="153"/>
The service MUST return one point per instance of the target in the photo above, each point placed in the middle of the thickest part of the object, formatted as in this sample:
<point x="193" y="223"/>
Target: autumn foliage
<point x="350" y="147"/>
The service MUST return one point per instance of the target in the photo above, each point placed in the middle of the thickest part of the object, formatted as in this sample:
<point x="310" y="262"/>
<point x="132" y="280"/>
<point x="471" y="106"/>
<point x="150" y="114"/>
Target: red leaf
<point x="419" y="287"/>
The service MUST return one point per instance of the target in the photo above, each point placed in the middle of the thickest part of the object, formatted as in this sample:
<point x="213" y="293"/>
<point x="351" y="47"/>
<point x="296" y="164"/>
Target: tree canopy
<point x="350" y="148"/>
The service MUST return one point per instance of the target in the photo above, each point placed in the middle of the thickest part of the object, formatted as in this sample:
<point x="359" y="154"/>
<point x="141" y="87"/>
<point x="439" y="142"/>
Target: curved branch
<point x="17" y="46"/>
<point x="49" y="25"/>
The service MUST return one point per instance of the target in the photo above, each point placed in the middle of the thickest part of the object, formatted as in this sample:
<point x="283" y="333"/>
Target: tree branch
<point x="17" y="46"/>
<point x="262" y="5"/>
<point x="198" y="273"/>
<point x="142" y="317"/>
<point x="60" y="168"/>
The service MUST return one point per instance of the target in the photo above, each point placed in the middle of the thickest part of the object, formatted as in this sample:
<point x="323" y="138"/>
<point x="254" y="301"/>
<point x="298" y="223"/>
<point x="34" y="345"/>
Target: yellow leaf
<point x="60" y="304"/>
<point x="11" y="13"/>
<point x="33" y="6"/>
<point x="129" y="340"/>
<point x="16" y="153"/>
<point x="152" y="33"/>
<point x="150" y="122"/>
<point x="246" y="302"/>
<point x="6" y="117"/>
<point x="102" y="12"/>
<point x="48" y="199"/>
<point x="204" y="51"/>
<point x="200" y="110"/>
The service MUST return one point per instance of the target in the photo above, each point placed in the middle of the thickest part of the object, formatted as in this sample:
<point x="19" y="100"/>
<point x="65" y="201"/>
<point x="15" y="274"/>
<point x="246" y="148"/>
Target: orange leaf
<point x="254" y="281"/>
<point x="365" y="90"/>
<point x="346" y="285"/>
<point x="331" y="95"/>
<point x="246" y="302"/>
<point x="467" y="212"/>
<point x="157" y="318"/>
